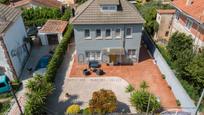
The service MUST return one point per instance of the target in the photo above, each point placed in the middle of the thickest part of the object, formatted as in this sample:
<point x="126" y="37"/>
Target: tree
<point x="144" y="85"/>
<point x="196" y="70"/>
<point x="183" y="60"/>
<point x="103" y="101"/>
<point x="38" y="89"/>
<point x="178" y="43"/>
<point x="4" y="1"/>
<point x="148" y="11"/>
<point x="139" y="99"/>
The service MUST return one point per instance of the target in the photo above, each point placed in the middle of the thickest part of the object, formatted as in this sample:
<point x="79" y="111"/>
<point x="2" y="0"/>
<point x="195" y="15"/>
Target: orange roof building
<point x="193" y="8"/>
<point x="37" y="3"/>
<point x="52" y="32"/>
<point x="189" y="18"/>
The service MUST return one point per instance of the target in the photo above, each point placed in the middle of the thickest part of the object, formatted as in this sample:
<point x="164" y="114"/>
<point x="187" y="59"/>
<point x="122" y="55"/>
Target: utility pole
<point x="148" y="105"/>
<point x="14" y="95"/>
<point x="199" y="102"/>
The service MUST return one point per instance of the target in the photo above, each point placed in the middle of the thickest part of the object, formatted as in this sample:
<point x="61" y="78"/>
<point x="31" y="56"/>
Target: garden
<point x="40" y="87"/>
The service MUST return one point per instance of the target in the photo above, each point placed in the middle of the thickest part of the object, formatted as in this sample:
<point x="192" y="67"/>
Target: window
<point x="108" y="33"/>
<point x="98" y="33"/>
<point x="87" y="34"/>
<point x="118" y="33"/>
<point x="177" y="15"/>
<point x="189" y="24"/>
<point x="109" y="8"/>
<point x="131" y="53"/>
<point x="2" y="85"/>
<point x="129" y="32"/>
<point x="93" y="55"/>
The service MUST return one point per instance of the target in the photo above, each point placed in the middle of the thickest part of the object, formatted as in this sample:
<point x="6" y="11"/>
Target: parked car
<point x="4" y="84"/>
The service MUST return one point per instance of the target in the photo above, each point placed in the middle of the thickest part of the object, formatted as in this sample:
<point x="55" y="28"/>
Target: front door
<point x="113" y="59"/>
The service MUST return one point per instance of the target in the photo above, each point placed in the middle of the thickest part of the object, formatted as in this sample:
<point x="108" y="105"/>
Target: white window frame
<point x="120" y="36"/>
<point x="128" y="36"/>
<point x="93" y="55"/>
<point x="189" y="24"/>
<point x="98" y="37"/>
<point x="88" y="38"/>
<point x="109" y="8"/>
<point x="109" y="37"/>
<point x="131" y="55"/>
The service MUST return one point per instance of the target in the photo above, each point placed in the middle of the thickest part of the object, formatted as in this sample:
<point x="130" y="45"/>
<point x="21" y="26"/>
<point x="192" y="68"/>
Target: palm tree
<point x="144" y="85"/>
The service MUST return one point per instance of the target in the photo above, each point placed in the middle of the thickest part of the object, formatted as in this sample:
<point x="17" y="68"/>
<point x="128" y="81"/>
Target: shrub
<point x="38" y="90"/>
<point x="73" y="109"/>
<point x="86" y="111"/>
<point x="103" y="101"/>
<point x="139" y="99"/>
<point x="129" y="88"/>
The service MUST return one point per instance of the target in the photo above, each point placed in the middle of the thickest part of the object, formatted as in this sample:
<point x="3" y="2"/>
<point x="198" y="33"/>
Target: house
<point x="36" y="3"/>
<point x="108" y="31"/>
<point x="52" y="32"/>
<point x="189" y="18"/>
<point x="164" y="19"/>
<point x="14" y="45"/>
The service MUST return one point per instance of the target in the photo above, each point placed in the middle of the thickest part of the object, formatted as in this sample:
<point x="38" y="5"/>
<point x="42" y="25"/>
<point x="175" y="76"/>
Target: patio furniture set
<point x="94" y="66"/>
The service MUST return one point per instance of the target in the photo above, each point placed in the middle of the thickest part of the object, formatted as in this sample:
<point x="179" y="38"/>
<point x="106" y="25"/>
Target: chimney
<point x="188" y="2"/>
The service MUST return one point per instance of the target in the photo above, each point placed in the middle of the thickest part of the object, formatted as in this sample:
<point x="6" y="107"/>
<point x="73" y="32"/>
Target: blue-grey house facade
<point x="109" y="36"/>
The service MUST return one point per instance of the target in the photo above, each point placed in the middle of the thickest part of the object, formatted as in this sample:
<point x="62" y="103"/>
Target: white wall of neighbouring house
<point x="15" y="44"/>
<point x="3" y="62"/>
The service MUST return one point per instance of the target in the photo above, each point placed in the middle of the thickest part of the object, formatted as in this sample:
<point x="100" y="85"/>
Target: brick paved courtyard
<point x="145" y="70"/>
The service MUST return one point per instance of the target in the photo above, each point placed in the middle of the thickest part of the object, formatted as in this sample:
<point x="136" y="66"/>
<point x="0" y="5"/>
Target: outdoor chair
<point x="99" y="72"/>
<point x="86" y="72"/>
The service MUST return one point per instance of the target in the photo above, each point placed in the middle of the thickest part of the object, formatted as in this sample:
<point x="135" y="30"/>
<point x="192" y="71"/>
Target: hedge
<point x="58" y="56"/>
<point x="37" y="95"/>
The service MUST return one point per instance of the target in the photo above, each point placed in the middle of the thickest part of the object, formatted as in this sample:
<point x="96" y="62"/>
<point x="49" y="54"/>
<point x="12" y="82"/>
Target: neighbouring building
<point x="52" y="32"/>
<point x="36" y="3"/>
<point x="189" y="18"/>
<point x="164" y="19"/>
<point x="108" y="31"/>
<point x="14" y="44"/>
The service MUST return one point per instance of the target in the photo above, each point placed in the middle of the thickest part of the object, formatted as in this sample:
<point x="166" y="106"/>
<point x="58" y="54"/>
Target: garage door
<point x="52" y="39"/>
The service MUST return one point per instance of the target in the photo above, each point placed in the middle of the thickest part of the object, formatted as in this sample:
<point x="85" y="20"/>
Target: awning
<point x="114" y="51"/>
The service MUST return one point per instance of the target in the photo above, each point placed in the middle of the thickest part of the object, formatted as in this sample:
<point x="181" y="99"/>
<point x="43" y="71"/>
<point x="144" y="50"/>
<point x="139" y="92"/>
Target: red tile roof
<point x="54" y="26"/>
<point x="166" y="11"/>
<point x="196" y="9"/>
<point x="48" y="3"/>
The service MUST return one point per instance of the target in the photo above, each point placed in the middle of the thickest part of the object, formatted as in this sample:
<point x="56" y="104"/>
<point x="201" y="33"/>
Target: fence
<point x="179" y="92"/>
